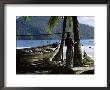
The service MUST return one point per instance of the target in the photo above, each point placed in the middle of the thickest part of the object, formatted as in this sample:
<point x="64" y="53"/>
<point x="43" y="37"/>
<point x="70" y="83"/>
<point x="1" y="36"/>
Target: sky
<point x="89" y="20"/>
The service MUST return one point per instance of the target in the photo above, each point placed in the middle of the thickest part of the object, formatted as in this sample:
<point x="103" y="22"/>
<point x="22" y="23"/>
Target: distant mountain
<point x="37" y="25"/>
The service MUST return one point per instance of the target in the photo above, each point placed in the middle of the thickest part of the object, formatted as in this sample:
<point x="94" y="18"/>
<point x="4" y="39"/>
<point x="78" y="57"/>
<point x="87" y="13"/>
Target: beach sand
<point x="88" y="49"/>
<point x="77" y="70"/>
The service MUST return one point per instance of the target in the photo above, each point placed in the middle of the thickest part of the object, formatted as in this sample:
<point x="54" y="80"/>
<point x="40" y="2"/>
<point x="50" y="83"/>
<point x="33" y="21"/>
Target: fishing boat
<point x="33" y="54"/>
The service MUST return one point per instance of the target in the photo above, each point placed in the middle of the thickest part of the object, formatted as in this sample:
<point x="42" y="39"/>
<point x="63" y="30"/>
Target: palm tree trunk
<point x="60" y="52"/>
<point x="77" y="49"/>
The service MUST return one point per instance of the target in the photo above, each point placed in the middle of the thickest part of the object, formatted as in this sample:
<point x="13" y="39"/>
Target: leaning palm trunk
<point x="59" y="55"/>
<point x="77" y="49"/>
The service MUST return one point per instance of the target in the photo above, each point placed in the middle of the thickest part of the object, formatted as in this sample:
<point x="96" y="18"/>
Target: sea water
<point x="36" y="43"/>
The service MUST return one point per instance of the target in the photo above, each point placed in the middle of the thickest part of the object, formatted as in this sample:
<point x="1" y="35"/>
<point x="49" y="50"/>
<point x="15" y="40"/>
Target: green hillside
<point x="35" y="28"/>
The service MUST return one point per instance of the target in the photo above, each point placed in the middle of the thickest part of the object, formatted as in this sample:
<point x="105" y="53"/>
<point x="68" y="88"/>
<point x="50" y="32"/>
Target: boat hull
<point x="47" y="53"/>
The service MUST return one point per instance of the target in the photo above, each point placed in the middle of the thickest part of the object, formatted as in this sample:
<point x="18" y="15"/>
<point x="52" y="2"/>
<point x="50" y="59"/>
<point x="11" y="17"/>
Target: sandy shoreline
<point x="88" y="49"/>
<point x="31" y="64"/>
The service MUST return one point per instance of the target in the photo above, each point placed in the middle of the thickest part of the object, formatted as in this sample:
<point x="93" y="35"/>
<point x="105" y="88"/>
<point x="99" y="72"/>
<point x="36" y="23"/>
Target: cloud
<point x="89" y="20"/>
<point x="17" y="17"/>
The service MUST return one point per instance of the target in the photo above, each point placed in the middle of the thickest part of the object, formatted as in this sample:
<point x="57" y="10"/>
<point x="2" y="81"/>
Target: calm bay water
<point x="35" y="43"/>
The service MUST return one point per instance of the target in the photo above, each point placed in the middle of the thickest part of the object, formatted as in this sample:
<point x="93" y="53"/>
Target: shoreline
<point x="88" y="49"/>
<point x="31" y="64"/>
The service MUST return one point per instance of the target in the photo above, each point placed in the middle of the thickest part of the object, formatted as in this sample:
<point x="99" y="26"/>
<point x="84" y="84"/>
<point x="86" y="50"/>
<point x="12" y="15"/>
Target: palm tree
<point x="52" y="21"/>
<point x="73" y="22"/>
<point x="77" y="49"/>
<point x="51" y="24"/>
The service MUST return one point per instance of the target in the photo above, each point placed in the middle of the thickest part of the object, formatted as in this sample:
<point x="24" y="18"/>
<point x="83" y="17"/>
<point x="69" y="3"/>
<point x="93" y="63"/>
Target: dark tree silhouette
<point x="77" y="48"/>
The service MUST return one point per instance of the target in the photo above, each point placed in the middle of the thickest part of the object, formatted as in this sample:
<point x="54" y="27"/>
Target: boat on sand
<point x="33" y="54"/>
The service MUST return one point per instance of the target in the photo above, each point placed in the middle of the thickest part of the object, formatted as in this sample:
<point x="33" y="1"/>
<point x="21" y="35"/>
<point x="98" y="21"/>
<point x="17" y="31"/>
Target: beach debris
<point x="88" y="61"/>
<point x="85" y="54"/>
<point x="42" y="65"/>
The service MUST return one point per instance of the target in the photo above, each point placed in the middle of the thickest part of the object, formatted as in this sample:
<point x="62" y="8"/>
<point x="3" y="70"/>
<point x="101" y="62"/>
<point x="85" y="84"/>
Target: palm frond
<point x="53" y="21"/>
<point x="70" y="22"/>
<point x="27" y="18"/>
